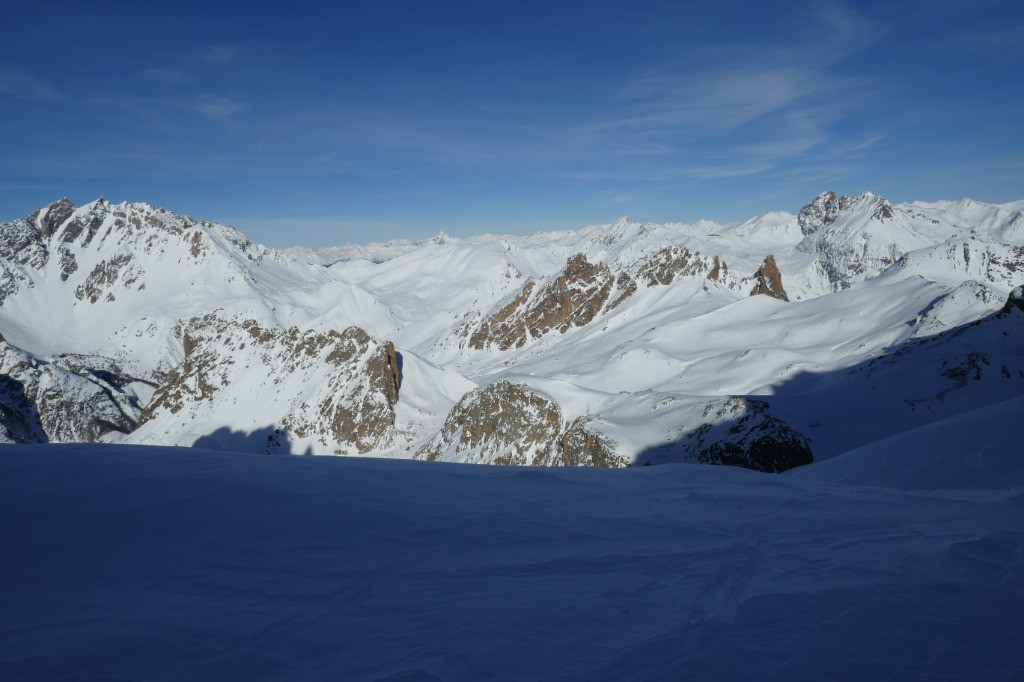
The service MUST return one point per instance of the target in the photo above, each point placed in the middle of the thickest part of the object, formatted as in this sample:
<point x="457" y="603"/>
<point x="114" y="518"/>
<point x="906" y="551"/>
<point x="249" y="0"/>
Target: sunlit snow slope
<point x="764" y="344"/>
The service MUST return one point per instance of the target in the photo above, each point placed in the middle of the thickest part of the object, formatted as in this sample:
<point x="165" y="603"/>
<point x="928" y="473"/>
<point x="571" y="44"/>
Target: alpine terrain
<point x="858" y="368"/>
<point x="766" y="344"/>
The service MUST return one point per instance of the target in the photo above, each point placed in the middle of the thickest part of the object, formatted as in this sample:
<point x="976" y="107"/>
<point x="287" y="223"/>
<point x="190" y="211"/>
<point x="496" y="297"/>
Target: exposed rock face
<point x="768" y="280"/>
<point x="583" y="445"/>
<point x="742" y="432"/>
<point x="572" y="299"/>
<point x="867" y="238"/>
<point x="663" y="266"/>
<point x="337" y="388"/>
<point x="1015" y="301"/>
<point x="883" y="211"/>
<point x="395" y="371"/>
<point x="48" y="219"/>
<point x="61" y="400"/>
<point x="505" y="423"/>
<point x="821" y="211"/>
<point x="114" y="238"/>
<point x="106" y="273"/>
<point x="581" y="292"/>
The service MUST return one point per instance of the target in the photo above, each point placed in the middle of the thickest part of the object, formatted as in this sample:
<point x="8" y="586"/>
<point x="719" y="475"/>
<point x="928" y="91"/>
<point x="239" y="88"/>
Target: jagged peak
<point x="443" y="238"/>
<point x="822" y="210"/>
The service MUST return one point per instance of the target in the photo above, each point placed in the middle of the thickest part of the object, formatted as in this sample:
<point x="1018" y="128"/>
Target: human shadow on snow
<point x="268" y="440"/>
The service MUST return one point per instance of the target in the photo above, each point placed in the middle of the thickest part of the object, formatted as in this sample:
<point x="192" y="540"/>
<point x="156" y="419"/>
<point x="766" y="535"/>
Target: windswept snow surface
<point x="144" y="563"/>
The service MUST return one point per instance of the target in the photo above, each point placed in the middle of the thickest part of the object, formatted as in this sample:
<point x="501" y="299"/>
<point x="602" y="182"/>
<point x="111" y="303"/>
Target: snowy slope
<point x="130" y="562"/>
<point x="645" y="337"/>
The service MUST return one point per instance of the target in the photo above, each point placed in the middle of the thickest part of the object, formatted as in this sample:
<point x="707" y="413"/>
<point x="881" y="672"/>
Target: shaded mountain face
<point x="66" y="399"/>
<point x="614" y="345"/>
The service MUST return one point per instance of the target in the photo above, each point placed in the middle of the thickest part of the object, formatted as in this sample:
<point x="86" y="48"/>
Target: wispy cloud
<point x="167" y="76"/>
<point x="750" y="107"/>
<point x="507" y="119"/>
<point x="1006" y="39"/>
<point x="22" y="85"/>
<point x="218" y="55"/>
<point x="219" y="107"/>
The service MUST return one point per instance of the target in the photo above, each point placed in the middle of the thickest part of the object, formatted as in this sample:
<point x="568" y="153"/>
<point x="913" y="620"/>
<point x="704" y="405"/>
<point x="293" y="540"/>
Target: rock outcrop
<point x="1015" y="301"/>
<point x="743" y="432"/>
<point x="335" y="388"/>
<point x="395" y="370"/>
<point x="768" y="280"/>
<point x="65" y="399"/>
<point x="506" y="423"/>
<point x="571" y="299"/>
<point x="664" y="265"/>
<point x="583" y="445"/>
<point x="866" y="237"/>
<point x="821" y="211"/>
<point x="582" y="291"/>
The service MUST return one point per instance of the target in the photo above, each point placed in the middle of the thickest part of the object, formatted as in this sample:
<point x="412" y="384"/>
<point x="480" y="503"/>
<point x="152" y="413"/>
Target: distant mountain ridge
<point x="650" y="342"/>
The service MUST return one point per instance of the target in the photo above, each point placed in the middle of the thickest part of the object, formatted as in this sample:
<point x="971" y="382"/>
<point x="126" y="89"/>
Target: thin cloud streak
<point x="756" y="106"/>
<point x="219" y="107"/>
<point x="22" y="85"/>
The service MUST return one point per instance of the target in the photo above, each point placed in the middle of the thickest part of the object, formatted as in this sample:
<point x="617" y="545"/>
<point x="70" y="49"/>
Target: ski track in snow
<point x="131" y="562"/>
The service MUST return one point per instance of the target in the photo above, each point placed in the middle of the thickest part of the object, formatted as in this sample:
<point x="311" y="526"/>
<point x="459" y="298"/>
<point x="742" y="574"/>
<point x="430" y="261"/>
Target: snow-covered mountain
<point x="766" y="343"/>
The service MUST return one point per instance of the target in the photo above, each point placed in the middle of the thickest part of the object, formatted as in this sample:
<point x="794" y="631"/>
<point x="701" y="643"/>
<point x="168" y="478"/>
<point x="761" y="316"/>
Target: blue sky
<point x="326" y="123"/>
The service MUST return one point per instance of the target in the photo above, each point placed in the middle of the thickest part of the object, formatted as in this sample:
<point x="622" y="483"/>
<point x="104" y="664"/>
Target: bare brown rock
<point x="583" y="445"/>
<point x="768" y="280"/>
<point x="573" y="299"/>
<point x="349" y="407"/>
<point x="394" y="369"/>
<point x="504" y="423"/>
<point x="664" y="265"/>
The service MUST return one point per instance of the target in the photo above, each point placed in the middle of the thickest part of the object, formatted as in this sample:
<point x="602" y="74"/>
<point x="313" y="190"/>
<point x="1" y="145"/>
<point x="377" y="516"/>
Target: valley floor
<point x="132" y="562"/>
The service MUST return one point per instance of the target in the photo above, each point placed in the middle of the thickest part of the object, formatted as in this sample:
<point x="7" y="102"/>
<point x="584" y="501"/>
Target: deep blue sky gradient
<point x="318" y="124"/>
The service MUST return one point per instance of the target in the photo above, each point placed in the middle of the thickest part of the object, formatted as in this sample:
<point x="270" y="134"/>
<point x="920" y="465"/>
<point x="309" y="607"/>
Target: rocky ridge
<point x="336" y="388"/>
<point x="66" y="399"/>
<point x="823" y="210"/>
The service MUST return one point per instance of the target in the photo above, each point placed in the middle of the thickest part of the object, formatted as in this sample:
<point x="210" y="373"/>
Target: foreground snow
<point x="132" y="562"/>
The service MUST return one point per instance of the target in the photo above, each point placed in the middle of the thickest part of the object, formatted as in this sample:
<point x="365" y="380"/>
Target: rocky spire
<point x="769" y="280"/>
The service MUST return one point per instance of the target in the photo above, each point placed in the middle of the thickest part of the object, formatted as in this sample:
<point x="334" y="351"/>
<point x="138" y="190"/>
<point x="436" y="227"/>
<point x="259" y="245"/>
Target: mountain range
<point x="767" y="344"/>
